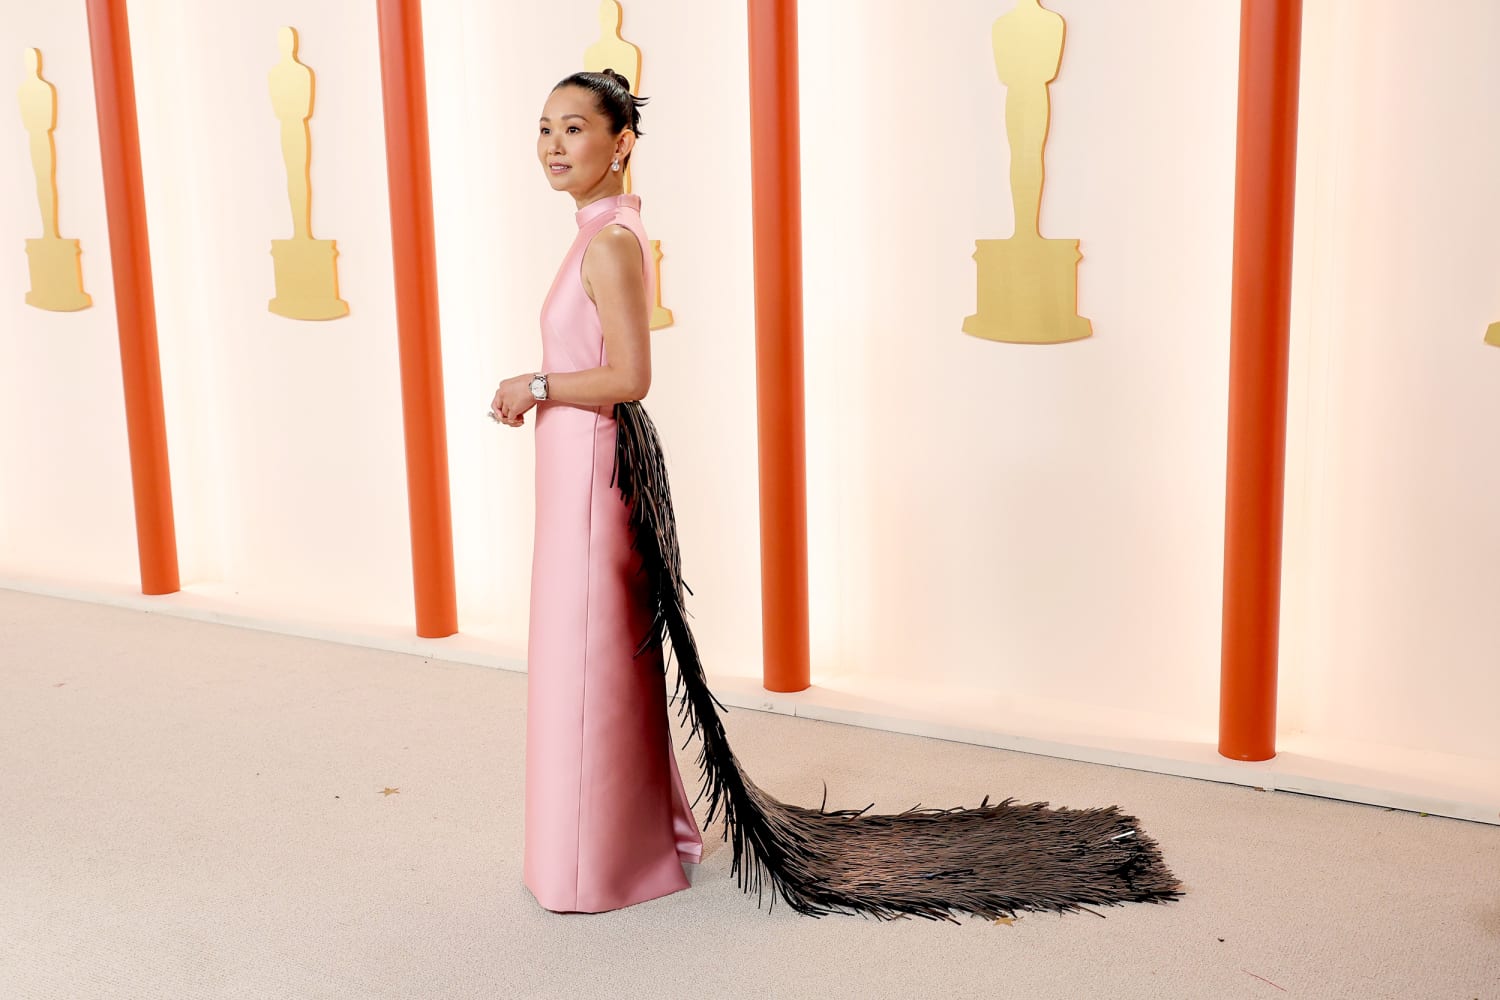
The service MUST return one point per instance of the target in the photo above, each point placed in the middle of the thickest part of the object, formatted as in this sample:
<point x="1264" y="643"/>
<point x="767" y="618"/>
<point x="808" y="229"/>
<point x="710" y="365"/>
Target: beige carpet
<point x="194" y="810"/>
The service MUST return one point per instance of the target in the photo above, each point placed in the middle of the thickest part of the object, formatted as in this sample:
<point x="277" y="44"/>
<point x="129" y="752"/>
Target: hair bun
<point x="619" y="78"/>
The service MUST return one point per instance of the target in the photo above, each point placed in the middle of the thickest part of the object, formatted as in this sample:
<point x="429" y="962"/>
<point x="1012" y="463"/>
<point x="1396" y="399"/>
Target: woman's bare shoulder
<point x="613" y="246"/>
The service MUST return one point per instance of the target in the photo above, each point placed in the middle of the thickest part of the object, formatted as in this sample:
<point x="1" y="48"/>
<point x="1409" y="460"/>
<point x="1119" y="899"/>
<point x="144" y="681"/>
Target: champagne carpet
<point x="193" y="810"/>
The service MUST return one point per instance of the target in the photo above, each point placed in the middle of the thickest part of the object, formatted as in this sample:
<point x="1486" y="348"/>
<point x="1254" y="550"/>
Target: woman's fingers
<point x="512" y="400"/>
<point x="509" y="421"/>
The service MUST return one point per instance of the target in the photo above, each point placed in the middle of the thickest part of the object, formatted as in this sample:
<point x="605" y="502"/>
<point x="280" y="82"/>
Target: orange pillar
<point x="777" y="216"/>
<point x="135" y="301"/>
<point x="409" y="173"/>
<point x="1265" y="184"/>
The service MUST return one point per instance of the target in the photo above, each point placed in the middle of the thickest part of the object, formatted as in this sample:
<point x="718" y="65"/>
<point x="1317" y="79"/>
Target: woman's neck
<point x="605" y="190"/>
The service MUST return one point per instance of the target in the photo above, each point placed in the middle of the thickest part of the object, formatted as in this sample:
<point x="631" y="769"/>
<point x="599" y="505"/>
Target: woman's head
<point x="589" y="123"/>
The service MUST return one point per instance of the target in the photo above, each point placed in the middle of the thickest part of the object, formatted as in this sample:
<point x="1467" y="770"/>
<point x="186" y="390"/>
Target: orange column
<point x="777" y="216"/>
<point x="409" y="173"/>
<point x="135" y="302"/>
<point x="1265" y="184"/>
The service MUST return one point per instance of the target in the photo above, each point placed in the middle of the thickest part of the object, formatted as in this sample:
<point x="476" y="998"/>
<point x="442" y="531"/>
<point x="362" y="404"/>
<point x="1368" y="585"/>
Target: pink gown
<point x="608" y="822"/>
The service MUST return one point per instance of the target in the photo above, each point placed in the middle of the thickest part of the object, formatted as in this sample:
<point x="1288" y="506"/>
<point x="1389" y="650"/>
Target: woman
<point x="607" y="819"/>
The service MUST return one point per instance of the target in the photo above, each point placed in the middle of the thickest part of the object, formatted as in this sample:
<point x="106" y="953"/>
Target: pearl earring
<point x="616" y="165"/>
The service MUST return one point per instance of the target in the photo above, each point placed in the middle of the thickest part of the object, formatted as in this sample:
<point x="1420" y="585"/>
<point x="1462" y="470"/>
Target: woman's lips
<point x="558" y="168"/>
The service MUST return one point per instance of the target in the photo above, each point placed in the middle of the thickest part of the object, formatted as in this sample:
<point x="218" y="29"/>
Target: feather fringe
<point x="990" y="861"/>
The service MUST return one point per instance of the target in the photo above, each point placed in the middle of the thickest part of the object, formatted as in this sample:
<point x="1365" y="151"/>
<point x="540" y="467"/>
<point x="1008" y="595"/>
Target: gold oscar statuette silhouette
<point x="56" y="272"/>
<point x="307" y="278"/>
<point x="1492" y="335"/>
<point x="1028" y="284"/>
<point x="612" y="51"/>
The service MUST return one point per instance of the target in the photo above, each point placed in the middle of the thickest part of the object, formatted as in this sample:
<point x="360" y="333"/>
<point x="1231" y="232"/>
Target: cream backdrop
<point x="1393" y="514"/>
<point x="1033" y="532"/>
<point x="1038" y="526"/>
<point x="1043" y="522"/>
<point x="285" y="436"/>
<point x="65" y="499"/>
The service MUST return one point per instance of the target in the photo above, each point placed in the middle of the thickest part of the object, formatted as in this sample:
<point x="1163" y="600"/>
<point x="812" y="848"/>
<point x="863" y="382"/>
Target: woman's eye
<point x="544" y="131"/>
<point x="572" y="128"/>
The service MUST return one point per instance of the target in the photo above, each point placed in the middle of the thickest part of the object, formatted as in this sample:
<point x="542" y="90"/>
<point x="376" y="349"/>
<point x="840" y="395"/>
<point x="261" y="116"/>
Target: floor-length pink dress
<point x="608" y="822"/>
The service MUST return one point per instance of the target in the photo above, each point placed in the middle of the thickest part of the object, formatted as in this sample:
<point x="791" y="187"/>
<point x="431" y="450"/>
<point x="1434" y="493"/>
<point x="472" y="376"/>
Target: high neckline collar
<point x="609" y="203"/>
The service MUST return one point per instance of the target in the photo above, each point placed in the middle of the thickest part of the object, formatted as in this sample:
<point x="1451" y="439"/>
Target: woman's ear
<point x="625" y="143"/>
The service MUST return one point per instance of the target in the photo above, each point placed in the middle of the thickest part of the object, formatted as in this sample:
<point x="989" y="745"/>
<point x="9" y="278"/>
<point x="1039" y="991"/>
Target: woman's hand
<point x="512" y="400"/>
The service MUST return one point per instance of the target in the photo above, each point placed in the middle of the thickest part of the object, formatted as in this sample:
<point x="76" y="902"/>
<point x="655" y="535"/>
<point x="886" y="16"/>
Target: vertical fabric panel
<point x="415" y="258"/>
<point x="1260" y="308"/>
<point x="777" y="211"/>
<point x="135" y="305"/>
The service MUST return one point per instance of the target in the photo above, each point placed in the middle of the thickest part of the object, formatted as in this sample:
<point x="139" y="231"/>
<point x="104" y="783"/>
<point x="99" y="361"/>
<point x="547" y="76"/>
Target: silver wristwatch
<point x="539" y="386"/>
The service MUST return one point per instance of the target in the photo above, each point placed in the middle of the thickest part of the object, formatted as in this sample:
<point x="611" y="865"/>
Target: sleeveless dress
<point x="608" y="822"/>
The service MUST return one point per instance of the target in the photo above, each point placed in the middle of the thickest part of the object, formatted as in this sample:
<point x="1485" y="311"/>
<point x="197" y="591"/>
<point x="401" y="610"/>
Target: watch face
<point x="539" y="388"/>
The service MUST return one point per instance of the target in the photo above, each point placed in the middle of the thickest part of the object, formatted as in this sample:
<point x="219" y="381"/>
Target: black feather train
<point x="991" y="860"/>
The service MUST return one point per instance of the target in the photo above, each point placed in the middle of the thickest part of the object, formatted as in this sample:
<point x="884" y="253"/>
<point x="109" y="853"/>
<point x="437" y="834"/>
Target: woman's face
<point x="574" y="143"/>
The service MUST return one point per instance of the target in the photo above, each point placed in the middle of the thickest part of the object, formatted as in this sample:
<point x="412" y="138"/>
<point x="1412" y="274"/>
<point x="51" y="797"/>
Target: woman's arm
<point x="613" y="278"/>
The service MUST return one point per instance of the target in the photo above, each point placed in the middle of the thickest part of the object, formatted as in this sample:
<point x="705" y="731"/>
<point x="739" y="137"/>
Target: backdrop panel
<point x="1042" y="521"/>
<point x="287" y="453"/>
<point x="1393" y="509"/>
<point x="65" y="502"/>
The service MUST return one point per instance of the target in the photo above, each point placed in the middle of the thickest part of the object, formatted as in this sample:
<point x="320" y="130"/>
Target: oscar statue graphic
<point x="611" y="51"/>
<point x="56" y="271"/>
<point x="307" y="279"/>
<point x="1028" y="284"/>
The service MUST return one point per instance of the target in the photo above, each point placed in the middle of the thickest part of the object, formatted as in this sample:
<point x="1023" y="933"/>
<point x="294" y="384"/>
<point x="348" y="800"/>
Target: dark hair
<point x="612" y="94"/>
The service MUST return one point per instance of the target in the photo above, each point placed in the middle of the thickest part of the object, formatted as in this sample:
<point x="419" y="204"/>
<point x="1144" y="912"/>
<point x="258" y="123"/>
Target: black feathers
<point x="991" y="860"/>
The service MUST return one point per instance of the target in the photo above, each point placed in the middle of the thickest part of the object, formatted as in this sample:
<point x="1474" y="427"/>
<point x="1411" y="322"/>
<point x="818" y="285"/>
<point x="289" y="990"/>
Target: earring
<point x="616" y="165"/>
